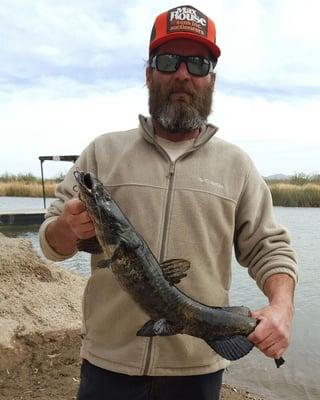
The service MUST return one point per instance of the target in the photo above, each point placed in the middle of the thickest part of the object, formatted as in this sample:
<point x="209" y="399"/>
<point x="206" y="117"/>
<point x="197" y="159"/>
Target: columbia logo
<point x="211" y="183"/>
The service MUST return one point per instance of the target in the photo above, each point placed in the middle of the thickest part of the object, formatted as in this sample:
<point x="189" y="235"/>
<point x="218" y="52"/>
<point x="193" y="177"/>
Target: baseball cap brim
<point x="214" y="49"/>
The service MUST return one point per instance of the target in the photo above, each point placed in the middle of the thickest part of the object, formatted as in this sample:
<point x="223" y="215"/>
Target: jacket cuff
<point x="47" y="250"/>
<point x="277" y="270"/>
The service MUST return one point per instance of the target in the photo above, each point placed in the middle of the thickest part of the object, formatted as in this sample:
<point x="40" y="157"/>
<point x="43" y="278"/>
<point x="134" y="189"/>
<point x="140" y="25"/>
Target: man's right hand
<point x="74" y="223"/>
<point x="77" y="218"/>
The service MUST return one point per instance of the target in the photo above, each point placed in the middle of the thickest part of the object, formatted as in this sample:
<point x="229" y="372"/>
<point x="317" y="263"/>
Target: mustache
<point x="181" y="87"/>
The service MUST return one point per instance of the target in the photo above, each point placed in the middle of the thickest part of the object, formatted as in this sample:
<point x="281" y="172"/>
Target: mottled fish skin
<point x="151" y="284"/>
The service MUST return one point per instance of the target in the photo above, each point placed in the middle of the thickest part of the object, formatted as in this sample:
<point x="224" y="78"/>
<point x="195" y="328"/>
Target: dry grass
<point x="26" y="189"/>
<point x="290" y="195"/>
<point x="283" y="193"/>
<point x="290" y="186"/>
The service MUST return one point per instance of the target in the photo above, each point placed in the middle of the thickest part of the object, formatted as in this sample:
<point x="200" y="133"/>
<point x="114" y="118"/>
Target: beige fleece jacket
<point x="195" y="208"/>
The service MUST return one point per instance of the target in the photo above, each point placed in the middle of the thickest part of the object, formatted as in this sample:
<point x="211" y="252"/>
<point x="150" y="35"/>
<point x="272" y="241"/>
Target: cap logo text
<point x="187" y="19"/>
<point x="187" y="14"/>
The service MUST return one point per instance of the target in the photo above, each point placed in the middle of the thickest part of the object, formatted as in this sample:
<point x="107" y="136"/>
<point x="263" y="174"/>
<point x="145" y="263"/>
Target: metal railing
<point x="72" y="158"/>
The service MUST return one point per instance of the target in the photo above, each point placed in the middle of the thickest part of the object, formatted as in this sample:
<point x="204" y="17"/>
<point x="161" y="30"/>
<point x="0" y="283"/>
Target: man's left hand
<point x="272" y="335"/>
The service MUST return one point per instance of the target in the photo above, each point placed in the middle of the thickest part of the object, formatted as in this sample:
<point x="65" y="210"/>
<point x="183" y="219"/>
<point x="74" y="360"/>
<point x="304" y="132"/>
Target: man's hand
<point x="78" y="219"/>
<point x="272" y="335"/>
<point x="74" y="223"/>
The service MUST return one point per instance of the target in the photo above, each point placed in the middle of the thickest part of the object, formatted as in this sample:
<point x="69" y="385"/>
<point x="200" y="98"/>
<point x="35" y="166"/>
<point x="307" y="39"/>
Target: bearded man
<point x="190" y="195"/>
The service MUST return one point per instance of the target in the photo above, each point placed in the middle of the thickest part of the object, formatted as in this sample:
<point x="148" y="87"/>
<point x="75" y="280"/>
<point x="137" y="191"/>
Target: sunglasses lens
<point x="198" y="66"/>
<point x="167" y="63"/>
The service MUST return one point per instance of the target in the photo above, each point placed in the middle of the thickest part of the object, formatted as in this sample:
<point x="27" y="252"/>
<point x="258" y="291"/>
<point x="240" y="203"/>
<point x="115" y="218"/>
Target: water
<point x="299" y="378"/>
<point x="21" y="203"/>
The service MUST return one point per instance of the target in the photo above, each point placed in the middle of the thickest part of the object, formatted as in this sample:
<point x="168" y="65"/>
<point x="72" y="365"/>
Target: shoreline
<point x="284" y="194"/>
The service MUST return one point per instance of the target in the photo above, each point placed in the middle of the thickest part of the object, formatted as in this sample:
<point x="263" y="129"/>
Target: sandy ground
<point x="40" y="317"/>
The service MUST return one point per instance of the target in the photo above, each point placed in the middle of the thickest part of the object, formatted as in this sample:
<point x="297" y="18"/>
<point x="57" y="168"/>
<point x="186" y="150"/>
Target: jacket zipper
<point x="162" y="250"/>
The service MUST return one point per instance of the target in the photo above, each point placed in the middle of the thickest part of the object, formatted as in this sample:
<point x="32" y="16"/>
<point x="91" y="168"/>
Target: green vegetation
<point x="28" y="178"/>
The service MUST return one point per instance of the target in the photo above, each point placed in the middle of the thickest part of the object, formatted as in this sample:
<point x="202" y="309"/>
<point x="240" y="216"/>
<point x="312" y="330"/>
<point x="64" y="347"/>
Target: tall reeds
<point x="23" y="189"/>
<point x="26" y="185"/>
<point x="290" y="195"/>
<point x="300" y="190"/>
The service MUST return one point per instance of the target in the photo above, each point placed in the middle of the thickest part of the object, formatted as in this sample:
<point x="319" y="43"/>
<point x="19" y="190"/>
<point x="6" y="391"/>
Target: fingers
<point x="271" y="335"/>
<point x="78" y="219"/>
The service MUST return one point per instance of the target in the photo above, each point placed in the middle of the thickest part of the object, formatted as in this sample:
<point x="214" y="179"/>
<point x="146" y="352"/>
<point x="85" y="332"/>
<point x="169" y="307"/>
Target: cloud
<point x="270" y="43"/>
<point x="50" y="125"/>
<point x="76" y="39"/>
<point x="72" y="70"/>
<point x="280" y="136"/>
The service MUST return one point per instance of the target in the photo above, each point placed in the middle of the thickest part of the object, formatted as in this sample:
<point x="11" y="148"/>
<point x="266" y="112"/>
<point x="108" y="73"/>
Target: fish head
<point x="92" y="192"/>
<point x="101" y="208"/>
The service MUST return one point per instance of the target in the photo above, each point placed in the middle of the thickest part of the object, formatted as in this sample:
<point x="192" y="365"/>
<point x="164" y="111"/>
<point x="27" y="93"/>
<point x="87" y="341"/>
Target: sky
<point x="70" y="71"/>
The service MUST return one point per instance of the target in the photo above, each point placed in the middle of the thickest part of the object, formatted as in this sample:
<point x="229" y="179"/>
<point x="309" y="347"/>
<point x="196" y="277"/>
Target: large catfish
<point x="152" y="285"/>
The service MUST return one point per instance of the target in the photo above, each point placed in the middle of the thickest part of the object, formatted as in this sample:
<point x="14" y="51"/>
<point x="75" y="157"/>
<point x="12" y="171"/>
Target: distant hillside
<point x="277" y="177"/>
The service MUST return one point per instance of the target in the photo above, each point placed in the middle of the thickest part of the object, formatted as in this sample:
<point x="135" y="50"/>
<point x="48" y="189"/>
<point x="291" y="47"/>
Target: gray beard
<point x="179" y="116"/>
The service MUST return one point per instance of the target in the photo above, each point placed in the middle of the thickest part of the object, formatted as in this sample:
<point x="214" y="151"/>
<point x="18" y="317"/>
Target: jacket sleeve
<point x="65" y="191"/>
<point x="261" y="244"/>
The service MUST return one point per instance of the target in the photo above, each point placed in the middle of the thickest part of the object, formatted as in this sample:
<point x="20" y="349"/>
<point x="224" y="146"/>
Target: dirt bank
<point x="40" y="317"/>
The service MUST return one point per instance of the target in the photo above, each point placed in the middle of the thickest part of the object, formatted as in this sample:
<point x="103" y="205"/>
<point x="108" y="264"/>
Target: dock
<point x="22" y="217"/>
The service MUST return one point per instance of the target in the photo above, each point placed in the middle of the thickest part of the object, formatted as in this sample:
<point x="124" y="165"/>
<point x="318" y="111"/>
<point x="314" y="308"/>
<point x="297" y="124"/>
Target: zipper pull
<point x="171" y="170"/>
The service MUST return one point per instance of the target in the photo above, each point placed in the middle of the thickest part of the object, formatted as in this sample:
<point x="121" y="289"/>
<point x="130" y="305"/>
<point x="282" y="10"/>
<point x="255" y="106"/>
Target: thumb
<point x="257" y="315"/>
<point x="75" y="206"/>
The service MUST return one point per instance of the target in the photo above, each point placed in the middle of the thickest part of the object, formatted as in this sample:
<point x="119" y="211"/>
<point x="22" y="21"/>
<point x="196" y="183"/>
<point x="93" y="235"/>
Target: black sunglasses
<point x="196" y="65"/>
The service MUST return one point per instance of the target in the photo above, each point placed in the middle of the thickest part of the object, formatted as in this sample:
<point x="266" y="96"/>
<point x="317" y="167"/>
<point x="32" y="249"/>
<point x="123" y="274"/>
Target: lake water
<point x="299" y="378"/>
<point x="20" y="203"/>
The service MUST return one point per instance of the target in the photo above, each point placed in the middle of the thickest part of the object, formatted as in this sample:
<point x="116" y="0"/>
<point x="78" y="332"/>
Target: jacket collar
<point x="146" y="130"/>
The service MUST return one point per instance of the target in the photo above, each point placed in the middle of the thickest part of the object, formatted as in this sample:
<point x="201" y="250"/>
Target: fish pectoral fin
<point x="129" y="239"/>
<point x="231" y="348"/>
<point x="174" y="270"/>
<point x="91" y="245"/>
<point x="147" y="329"/>
<point x="160" y="327"/>
<point x="104" y="263"/>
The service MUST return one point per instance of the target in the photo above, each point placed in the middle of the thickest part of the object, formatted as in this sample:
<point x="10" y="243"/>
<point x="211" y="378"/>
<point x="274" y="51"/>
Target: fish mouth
<point x="91" y="187"/>
<point x="84" y="179"/>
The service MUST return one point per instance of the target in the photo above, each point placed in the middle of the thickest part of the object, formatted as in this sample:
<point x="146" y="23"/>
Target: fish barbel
<point x="152" y="284"/>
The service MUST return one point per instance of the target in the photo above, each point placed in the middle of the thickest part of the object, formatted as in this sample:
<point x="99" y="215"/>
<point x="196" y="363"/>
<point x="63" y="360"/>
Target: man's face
<point x="179" y="101"/>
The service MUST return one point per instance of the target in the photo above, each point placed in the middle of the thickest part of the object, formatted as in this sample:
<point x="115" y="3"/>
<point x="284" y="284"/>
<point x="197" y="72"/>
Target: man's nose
<point x="182" y="72"/>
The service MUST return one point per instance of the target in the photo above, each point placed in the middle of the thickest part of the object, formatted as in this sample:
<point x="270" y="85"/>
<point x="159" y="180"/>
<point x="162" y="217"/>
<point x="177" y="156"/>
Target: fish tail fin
<point x="231" y="348"/>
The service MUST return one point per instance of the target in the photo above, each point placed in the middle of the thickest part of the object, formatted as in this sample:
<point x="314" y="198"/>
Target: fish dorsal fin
<point x="231" y="348"/>
<point x="241" y="310"/>
<point x="175" y="269"/>
<point x="91" y="245"/>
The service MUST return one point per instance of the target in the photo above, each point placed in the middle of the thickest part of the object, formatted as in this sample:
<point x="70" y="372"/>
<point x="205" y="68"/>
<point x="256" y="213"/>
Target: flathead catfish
<point x="152" y="285"/>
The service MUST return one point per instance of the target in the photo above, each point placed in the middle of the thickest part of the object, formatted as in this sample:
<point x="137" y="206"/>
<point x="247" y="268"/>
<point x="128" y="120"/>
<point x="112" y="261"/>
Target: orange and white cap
<point x="184" y="22"/>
